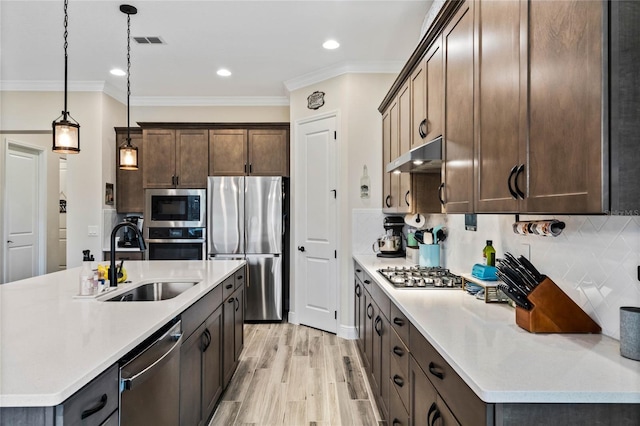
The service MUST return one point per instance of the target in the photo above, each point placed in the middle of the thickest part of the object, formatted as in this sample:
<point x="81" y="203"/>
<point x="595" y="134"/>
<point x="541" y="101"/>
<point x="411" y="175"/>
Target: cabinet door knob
<point x="398" y="380"/>
<point x="387" y="201"/>
<point x="440" y="191"/>
<point x="398" y="321"/>
<point x="398" y="351"/>
<point x="513" y="193"/>
<point x="301" y="248"/>
<point x="406" y="196"/>
<point x="229" y="286"/>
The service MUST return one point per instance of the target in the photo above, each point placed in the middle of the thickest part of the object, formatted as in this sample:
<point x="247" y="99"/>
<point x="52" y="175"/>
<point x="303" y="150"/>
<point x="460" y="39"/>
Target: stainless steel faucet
<point x="113" y="275"/>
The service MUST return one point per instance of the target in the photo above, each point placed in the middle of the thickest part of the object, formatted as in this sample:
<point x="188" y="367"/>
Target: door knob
<point x="9" y="242"/>
<point x="301" y="248"/>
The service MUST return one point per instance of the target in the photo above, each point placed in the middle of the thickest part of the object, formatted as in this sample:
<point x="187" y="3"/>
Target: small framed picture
<point x="108" y="194"/>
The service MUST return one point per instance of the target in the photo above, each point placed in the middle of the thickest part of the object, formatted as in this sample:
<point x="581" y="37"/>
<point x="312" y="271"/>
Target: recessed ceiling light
<point x="118" y="72"/>
<point x="224" y="73"/>
<point x="330" y="44"/>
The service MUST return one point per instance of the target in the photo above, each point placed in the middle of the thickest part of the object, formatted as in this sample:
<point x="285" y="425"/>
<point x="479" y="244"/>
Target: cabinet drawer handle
<point x="358" y="290"/>
<point x="436" y="416"/>
<point x="513" y="193"/>
<point x="398" y="380"/>
<point x="250" y="168"/>
<point x="422" y="129"/>
<point x="358" y="270"/>
<point x="205" y="339"/>
<point x="515" y="181"/>
<point x="432" y="410"/>
<point x="237" y="304"/>
<point x="396" y="422"/>
<point x="369" y="314"/>
<point x="93" y="410"/>
<point x="440" y="191"/>
<point x="435" y="371"/>
<point x="386" y="201"/>
<point x="406" y="198"/>
<point x="230" y="300"/>
<point x="378" y="326"/>
<point x="367" y="282"/>
<point x="239" y="277"/>
<point x="398" y="321"/>
<point x="398" y="351"/>
<point x="228" y="286"/>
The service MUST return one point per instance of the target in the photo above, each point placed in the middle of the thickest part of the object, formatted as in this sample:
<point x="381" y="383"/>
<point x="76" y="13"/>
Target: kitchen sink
<point x="154" y="291"/>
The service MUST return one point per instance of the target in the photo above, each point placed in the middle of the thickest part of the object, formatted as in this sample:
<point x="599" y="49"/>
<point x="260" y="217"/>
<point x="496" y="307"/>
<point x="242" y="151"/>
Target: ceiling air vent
<point x="149" y="40"/>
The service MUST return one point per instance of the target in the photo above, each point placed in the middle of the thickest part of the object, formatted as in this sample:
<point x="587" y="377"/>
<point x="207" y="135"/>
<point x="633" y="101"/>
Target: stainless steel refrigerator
<point x="245" y="219"/>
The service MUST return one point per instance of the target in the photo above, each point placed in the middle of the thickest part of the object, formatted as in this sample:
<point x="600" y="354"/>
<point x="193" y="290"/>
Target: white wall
<point x="355" y="97"/>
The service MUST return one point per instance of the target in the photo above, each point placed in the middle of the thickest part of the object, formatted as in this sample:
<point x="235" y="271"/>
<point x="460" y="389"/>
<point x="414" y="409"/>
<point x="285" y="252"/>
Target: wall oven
<point x="174" y="225"/>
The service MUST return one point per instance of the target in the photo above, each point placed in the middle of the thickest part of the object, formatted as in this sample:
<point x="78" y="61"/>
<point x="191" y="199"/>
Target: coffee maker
<point x="390" y="244"/>
<point x="129" y="238"/>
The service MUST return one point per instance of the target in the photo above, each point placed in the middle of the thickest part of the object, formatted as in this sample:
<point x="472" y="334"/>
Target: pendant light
<point x="66" y="130"/>
<point x="128" y="154"/>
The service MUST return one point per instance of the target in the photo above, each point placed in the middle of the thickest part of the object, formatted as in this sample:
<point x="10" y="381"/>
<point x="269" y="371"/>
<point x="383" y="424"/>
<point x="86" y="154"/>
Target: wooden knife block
<point x="554" y="312"/>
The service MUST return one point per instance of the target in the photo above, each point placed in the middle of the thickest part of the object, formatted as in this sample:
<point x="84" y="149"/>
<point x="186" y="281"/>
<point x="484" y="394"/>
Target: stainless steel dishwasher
<point x="150" y="381"/>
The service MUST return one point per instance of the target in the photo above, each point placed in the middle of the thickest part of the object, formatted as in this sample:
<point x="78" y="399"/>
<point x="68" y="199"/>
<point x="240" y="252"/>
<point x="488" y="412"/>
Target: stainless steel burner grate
<point x="421" y="277"/>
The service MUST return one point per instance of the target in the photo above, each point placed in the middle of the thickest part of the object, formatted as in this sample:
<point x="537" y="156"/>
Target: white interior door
<point x="316" y="272"/>
<point x="23" y="229"/>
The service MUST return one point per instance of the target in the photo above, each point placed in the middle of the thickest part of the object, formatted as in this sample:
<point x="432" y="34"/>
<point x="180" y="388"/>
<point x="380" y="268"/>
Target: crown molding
<point x="210" y="101"/>
<point x="50" y="86"/>
<point x="385" y="67"/>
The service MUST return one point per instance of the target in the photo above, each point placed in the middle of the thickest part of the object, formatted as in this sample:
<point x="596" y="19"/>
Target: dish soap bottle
<point x="86" y="275"/>
<point x="364" y="183"/>
<point x="489" y="254"/>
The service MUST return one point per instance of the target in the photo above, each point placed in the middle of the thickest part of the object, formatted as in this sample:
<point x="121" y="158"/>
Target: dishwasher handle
<point x="148" y="366"/>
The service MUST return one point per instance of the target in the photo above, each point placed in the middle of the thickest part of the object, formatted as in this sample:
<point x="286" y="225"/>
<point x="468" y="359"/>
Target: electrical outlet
<point x="525" y="250"/>
<point x="93" y="231"/>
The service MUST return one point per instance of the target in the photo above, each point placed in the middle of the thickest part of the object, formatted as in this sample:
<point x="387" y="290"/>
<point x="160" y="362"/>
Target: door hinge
<point x="335" y="314"/>
<point x="335" y="135"/>
<point x="335" y="254"/>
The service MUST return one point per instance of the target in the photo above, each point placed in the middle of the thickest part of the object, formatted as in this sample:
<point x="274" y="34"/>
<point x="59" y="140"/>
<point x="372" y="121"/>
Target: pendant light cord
<point x="128" y="74"/>
<point x="66" y="44"/>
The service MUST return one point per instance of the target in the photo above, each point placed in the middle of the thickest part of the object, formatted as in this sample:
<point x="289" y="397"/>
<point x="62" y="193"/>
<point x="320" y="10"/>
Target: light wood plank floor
<point x="296" y="375"/>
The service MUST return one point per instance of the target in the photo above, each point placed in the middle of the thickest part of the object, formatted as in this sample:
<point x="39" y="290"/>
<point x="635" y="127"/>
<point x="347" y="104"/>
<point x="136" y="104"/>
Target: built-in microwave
<point x="167" y="208"/>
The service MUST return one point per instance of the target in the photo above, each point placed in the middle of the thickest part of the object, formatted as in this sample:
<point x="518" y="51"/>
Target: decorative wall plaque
<point x="315" y="100"/>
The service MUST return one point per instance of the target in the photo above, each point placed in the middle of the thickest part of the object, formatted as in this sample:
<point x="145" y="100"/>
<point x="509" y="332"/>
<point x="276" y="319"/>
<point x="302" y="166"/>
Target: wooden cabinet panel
<point x="418" y="104"/>
<point x="159" y="158"/>
<point x="227" y="152"/>
<point x="129" y="189"/>
<point x="458" y="139"/>
<point x="404" y="120"/>
<point x="192" y="165"/>
<point x="498" y="106"/>
<point x="386" y="158"/>
<point x="238" y="323"/>
<point x="123" y="255"/>
<point x="394" y="152"/>
<point x="564" y="150"/>
<point x="434" y="107"/>
<point x="359" y="312"/>
<point x="268" y="152"/>
<point x="211" y="363"/>
<point x="228" y="340"/>
<point x="398" y="415"/>
<point x="423" y="396"/>
<point x="191" y="379"/>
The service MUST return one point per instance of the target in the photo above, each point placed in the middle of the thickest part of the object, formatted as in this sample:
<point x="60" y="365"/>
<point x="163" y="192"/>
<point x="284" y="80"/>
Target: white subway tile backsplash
<point x="594" y="260"/>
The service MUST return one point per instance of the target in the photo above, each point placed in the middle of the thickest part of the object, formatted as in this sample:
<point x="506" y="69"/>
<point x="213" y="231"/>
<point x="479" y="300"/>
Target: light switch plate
<point x="93" y="231"/>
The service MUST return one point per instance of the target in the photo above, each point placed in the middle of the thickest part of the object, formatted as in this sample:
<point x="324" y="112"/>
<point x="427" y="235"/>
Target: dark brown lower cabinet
<point x="426" y="407"/>
<point x="232" y="340"/>
<point x="200" y="381"/>
<point x="398" y="415"/>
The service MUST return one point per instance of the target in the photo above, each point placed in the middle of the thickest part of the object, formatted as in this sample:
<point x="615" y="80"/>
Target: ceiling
<point x="269" y="46"/>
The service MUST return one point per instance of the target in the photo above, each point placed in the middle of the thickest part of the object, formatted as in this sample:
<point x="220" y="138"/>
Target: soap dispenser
<point x="86" y="275"/>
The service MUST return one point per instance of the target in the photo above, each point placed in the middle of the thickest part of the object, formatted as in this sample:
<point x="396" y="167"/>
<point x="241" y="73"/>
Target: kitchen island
<point x="53" y="344"/>
<point x="510" y="371"/>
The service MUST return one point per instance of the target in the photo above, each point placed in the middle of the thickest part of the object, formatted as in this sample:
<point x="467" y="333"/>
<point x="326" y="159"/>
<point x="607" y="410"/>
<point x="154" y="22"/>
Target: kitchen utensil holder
<point x="554" y="312"/>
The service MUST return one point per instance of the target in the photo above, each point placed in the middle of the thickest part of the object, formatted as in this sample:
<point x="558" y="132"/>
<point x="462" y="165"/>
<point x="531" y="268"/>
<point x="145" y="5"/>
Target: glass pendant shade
<point x="66" y="137"/>
<point x="128" y="157"/>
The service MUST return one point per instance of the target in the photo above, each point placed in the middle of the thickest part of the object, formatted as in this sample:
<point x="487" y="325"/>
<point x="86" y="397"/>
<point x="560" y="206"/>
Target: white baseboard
<point x="293" y="318"/>
<point x="347" y="332"/>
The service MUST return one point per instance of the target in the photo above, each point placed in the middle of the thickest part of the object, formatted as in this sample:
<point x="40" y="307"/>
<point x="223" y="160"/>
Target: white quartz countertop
<point x="52" y="344"/>
<point x="503" y="363"/>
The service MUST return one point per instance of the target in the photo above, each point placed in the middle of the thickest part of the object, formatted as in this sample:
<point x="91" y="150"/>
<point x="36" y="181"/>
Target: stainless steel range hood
<point x="421" y="159"/>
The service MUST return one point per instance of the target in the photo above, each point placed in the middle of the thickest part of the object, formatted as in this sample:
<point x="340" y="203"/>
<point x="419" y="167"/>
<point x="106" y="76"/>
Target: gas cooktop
<point x="421" y="277"/>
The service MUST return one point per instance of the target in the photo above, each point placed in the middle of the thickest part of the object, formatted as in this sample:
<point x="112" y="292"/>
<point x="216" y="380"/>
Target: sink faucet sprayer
<point x="113" y="275"/>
